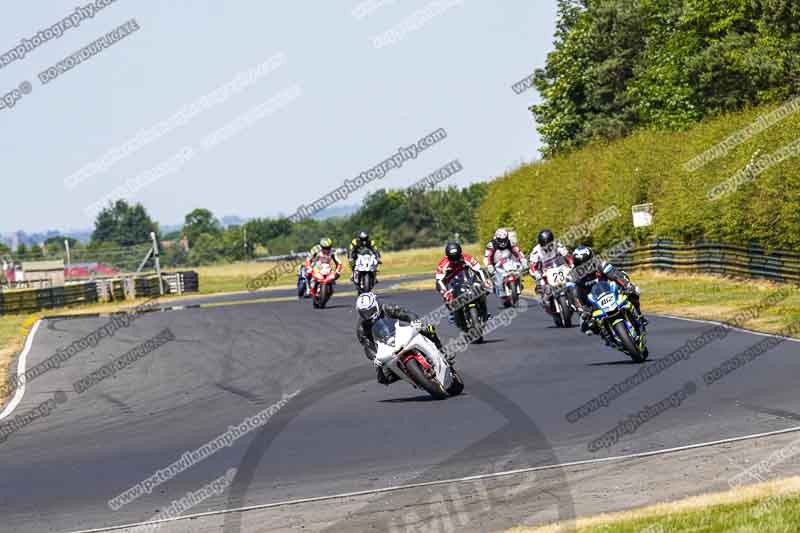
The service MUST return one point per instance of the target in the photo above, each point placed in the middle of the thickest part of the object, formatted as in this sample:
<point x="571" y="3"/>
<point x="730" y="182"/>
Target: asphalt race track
<point x="344" y="432"/>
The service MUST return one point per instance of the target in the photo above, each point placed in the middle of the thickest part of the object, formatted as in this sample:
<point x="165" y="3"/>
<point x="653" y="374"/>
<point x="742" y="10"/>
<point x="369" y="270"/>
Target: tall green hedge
<point x="648" y="166"/>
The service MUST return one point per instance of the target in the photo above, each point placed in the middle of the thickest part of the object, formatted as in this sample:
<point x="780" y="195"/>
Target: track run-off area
<point x="326" y="438"/>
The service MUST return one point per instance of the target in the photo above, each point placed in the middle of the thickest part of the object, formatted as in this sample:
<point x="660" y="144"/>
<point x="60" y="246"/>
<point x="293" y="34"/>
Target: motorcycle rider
<point x="587" y="271"/>
<point x="369" y="310"/>
<point x="454" y="262"/>
<point x="499" y="247"/>
<point x="545" y="252"/>
<point x="323" y="249"/>
<point x="360" y="243"/>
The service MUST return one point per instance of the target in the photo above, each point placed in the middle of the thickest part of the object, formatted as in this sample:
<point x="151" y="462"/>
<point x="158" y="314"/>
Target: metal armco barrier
<point x="289" y="257"/>
<point x="749" y="261"/>
<point x="31" y="300"/>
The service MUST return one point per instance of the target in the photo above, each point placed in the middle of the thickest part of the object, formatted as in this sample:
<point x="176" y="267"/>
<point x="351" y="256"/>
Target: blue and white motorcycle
<point x="618" y="320"/>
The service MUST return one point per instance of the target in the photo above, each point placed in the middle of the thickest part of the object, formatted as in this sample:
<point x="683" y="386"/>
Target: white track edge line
<point x="19" y="392"/>
<point x="315" y="499"/>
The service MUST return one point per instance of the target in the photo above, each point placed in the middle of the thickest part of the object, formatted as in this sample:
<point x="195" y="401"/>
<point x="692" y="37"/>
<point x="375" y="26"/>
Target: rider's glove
<point x="448" y="296"/>
<point x="537" y="276"/>
<point x="417" y="325"/>
<point x="586" y="324"/>
<point x="490" y="268"/>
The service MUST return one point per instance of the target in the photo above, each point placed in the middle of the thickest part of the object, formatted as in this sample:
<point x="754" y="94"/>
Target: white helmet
<point x="368" y="306"/>
<point x="501" y="238"/>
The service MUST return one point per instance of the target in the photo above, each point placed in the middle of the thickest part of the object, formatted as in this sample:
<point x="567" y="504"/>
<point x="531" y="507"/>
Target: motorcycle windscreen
<point x="604" y="295"/>
<point x="462" y="282"/>
<point x="384" y="330"/>
<point x="555" y="262"/>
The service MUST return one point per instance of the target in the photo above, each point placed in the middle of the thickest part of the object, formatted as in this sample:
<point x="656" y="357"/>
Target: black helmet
<point x="582" y="255"/>
<point x="363" y="237"/>
<point x="453" y="252"/>
<point x="545" y="237"/>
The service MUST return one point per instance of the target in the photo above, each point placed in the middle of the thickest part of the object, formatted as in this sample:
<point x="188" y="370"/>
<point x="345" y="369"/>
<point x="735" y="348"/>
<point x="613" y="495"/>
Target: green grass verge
<point x="774" y="515"/>
<point x="772" y="507"/>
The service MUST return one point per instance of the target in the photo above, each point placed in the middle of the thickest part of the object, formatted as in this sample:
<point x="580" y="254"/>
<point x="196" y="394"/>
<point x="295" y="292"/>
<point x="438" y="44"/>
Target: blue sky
<point x="353" y="103"/>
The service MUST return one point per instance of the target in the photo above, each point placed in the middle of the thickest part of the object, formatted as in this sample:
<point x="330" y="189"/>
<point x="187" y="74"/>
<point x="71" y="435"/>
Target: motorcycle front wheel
<point x="621" y="331"/>
<point x="475" y="322"/>
<point x="425" y="382"/>
<point x="323" y="294"/>
<point x="566" y="312"/>
<point x="367" y="282"/>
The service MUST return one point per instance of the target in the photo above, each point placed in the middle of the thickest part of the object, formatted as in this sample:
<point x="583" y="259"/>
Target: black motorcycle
<point x="469" y="304"/>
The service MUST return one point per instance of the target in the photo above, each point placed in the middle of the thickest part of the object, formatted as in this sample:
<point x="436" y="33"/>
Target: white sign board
<point x="642" y="215"/>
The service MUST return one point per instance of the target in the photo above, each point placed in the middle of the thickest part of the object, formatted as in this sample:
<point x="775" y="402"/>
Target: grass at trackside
<point x="234" y="277"/>
<point x="716" y="298"/>
<point x="709" y="297"/>
<point x="772" y="506"/>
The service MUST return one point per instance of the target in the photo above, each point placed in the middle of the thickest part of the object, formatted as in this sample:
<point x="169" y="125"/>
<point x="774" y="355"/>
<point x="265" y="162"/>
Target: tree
<point x="36" y="252"/>
<point x="22" y="250"/>
<point x="201" y="222"/>
<point x="206" y="250"/>
<point x="123" y="224"/>
<point x="54" y="245"/>
<point x="619" y="65"/>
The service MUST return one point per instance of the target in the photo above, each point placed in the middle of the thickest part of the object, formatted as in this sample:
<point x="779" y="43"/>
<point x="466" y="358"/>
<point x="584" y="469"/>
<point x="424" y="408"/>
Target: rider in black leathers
<point x="586" y="272"/>
<point x="369" y="310"/>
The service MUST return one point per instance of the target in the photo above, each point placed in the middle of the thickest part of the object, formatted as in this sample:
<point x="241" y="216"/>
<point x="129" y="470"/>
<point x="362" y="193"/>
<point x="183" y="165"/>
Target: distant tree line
<point x="397" y="220"/>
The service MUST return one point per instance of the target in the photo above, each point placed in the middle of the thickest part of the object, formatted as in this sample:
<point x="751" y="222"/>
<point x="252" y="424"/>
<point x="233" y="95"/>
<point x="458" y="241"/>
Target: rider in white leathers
<point x="545" y="254"/>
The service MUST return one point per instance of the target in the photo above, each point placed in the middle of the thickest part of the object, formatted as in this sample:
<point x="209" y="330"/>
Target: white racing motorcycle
<point x="414" y="358"/>
<point x="555" y="275"/>
<point x="365" y="271"/>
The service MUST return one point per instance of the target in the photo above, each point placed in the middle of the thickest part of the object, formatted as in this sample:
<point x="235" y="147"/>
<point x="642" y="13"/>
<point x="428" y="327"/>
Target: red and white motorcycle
<point x="414" y="358"/>
<point x="508" y="277"/>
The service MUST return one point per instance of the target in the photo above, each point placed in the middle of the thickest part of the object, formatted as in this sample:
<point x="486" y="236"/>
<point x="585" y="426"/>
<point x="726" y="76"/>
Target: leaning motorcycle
<point x="323" y="280"/>
<point x="617" y="317"/>
<point x="469" y="303"/>
<point x="365" y="272"/>
<point x="556" y="293"/>
<point x="508" y="280"/>
<point x="415" y="359"/>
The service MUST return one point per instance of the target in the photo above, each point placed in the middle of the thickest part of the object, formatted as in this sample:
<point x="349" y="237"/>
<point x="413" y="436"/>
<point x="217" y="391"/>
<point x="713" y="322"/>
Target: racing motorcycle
<point x="303" y="284"/>
<point x="365" y="272"/>
<point x="469" y="303"/>
<point x="556" y="292"/>
<point x="323" y="280"/>
<point x="414" y="358"/>
<point x="618" y="320"/>
<point x="508" y="280"/>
